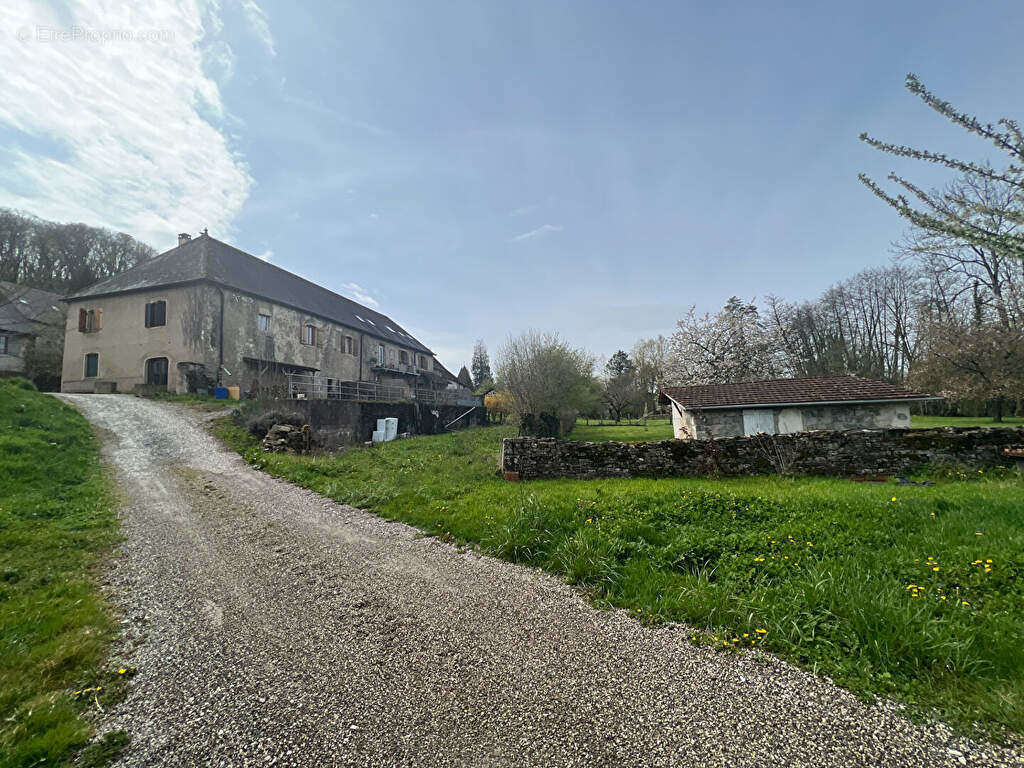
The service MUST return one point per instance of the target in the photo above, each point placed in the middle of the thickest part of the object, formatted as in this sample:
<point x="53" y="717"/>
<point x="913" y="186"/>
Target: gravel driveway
<point x="273" y="627"/>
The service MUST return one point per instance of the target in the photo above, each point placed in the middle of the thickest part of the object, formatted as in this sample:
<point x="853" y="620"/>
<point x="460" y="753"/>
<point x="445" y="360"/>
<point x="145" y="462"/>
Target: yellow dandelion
<point x="935" y="568"/>
<point x="761" y="631"/>
<point x="894" y="498"/>
<point x="121" y="671"/>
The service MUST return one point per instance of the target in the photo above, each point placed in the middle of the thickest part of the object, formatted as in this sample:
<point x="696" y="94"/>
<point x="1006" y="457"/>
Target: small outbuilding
<point x="782" y="406"/>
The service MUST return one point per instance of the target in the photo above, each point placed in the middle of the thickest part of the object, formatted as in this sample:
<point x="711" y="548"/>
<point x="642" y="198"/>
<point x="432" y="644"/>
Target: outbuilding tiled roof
<point x="20" y="306"/>
<point x="834" y="389"/>
<point x="205" y="258"/>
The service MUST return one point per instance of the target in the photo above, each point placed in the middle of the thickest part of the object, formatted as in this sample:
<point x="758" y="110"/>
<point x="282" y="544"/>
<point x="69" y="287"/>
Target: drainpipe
<point x="361" y="357"/>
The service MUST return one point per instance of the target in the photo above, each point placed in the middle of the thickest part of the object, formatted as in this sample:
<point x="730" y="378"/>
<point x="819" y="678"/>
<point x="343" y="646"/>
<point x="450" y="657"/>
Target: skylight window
<point x="360" y="319"/>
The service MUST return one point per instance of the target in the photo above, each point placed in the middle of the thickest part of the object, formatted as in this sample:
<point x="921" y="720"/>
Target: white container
<point x="378" y="436"/>
<point x="390" y="429"/>
<point x="381" y="425"/>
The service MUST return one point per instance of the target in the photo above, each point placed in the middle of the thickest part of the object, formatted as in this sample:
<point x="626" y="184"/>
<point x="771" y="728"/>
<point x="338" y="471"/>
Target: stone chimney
<point x="183" y="238"/>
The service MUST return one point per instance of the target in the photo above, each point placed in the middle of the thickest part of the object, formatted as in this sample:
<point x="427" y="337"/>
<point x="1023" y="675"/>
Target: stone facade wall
<point x="192" y="333"/>
<point x="728" y="422"/>
<point x="852" y="452"/>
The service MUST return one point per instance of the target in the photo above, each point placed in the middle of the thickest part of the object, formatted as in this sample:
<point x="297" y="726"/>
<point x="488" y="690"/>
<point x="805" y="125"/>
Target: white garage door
<point x="791" y="420"/>
<point x="755" y="421"/>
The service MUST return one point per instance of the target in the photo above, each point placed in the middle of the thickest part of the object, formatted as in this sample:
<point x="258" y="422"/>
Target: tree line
<point x="63" y="257"/>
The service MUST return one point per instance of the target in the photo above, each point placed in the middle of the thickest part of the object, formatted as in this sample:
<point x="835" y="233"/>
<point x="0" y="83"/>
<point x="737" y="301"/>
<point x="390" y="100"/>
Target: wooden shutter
<point x="161" y="306"/>
<point x="82" y="319"/>
<point x="98" y="322"/>
<point x="149" y="315"/>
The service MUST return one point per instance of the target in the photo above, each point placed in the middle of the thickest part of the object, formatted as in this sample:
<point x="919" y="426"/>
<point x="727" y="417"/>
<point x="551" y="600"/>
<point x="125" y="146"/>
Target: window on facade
<point x="263" y="322"/>
<point x="156" y="314"/>
<point x="380" y="353"/>
<point x="89" y="320"/>
<point x="348" y="345"/>
<point x="156" y="371"/>
<point x="3" y="345"/>
<point x="309" y="334"/>
<point x="92" y="365"/>
<point x="404" y="357"/>
<point x="421" y="361"/>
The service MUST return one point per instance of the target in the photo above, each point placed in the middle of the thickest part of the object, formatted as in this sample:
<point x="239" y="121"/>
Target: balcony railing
<point x="305" y="386"/>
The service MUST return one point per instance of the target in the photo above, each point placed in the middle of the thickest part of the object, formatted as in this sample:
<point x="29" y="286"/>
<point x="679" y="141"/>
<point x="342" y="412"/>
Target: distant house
<point x="25" y="314"/>
<point x="206" y="312"/>
<point x="781" y="406"/>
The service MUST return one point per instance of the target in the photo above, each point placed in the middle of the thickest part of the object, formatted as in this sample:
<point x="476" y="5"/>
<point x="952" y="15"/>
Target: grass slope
<point x="56" y="517"/>
<point x="904" y="591"/>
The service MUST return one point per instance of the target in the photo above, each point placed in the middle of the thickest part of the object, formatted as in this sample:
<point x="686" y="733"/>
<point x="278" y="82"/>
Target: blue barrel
<point x="221" y="393"/>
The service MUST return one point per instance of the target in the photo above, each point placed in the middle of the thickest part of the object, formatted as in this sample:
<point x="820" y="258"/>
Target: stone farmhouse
<point x="26" y="314"/>
<point x="207" y="313"/>
<point x="782" y="406"/>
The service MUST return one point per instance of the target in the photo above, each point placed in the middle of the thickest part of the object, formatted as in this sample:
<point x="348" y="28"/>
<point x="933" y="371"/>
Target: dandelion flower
<point x="121" y="671"/>
<point x="935" y="568"/>
<point x="894" y="498"/>
<point x="761" y="631"/>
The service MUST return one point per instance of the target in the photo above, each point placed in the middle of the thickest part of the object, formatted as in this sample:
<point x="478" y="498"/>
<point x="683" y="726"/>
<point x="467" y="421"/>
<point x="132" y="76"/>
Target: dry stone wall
<point x="851" y="452"/>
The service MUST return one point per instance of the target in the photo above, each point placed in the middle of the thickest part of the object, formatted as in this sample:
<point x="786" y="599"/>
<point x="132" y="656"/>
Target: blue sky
<point x="480" y="168"/>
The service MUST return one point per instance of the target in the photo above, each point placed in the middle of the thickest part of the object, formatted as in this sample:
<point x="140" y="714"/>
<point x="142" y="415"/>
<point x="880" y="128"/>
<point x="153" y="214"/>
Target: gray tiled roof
<point x="20" y="306"/>
<point x="204" y="258"/>
<point x="786" y="391"/>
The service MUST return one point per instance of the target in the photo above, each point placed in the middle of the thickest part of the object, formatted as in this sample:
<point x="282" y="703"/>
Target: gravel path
<point x="273" y="627"/>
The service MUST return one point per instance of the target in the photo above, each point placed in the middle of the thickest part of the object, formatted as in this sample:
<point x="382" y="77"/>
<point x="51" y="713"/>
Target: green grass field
<point x="56" y="520"/>
<point x="655" y="429"/>
<point x="904" y="591"/>
<point x="923" y="422"/>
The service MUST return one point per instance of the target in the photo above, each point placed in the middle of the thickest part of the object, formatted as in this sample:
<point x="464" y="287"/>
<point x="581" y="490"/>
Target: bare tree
<point x="545" y="375"/>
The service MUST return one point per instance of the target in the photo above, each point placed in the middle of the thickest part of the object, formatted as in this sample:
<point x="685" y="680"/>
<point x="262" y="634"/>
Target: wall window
<point x="3" y="345"/>
<point x="156" y="371"/>
<point x="92" y="365"/>
<point x="263" y="322"/>
<point x="380" y="354"/>
<point x="421" y="361"/>
<point x="90" y="320"/>
<point x="347" y="348"/>
<point x="156" y="314"/>
<point x="309" y="334"/>
<point x="404" y="357"/>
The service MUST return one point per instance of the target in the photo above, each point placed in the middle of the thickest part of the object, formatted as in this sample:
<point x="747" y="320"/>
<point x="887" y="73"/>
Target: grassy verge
<point x="904" y="591"/>
<point x="56" y="518"/>
<point x="925" y="422"/>
<point x="201" y="402"/>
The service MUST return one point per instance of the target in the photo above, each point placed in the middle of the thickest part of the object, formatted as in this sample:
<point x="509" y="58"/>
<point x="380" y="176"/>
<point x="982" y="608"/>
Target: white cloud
<point x="259" y="24"/>
<point x="267" y="255"/>
<point x="526" y="209"/>
<point x="541" y="231"/>
<point x="116" y="127"/>
<point x="357" y="293"/>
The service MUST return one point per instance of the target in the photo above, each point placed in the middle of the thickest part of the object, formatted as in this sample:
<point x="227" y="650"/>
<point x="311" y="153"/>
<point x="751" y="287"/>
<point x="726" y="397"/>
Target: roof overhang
<point x="735" y="406"/>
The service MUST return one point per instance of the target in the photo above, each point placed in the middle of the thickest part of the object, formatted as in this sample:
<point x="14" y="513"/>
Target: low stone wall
<point x="851" y="452"/>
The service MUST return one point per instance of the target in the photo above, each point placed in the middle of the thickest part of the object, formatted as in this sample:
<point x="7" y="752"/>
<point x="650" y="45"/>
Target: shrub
<point x="260" y="423"/>
<point x="21" y="383"/>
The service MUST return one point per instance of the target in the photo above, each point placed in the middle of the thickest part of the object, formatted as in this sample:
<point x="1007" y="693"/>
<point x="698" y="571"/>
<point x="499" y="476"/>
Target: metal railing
<point x="306" y="386"/>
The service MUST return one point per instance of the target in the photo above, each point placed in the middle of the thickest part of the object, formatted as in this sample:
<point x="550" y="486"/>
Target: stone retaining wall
<point x="851" y="452"/>
<point x="337" y="423"/>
